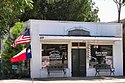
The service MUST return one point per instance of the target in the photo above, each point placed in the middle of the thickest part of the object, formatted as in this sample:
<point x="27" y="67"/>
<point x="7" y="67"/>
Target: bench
<point x="56" y="69"/>
<point x="104" y="68"/>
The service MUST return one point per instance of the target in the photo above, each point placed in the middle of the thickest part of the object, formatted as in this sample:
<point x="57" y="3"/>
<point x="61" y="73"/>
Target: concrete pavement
<point x="68" y="80"/>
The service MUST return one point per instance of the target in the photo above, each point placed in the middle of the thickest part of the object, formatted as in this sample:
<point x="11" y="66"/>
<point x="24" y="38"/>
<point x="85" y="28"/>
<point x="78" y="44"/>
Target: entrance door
<point x="123" y="65"/>
<point x="78" y="62"/>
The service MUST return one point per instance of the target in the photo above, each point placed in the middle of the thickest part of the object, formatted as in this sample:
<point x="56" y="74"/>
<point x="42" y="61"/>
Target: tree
<point x="7" y="42"/>
<point x="9" y="51"/>
<point x="119" y="4"/>
<point x="68" y="10"/>
<point x="10" y="10"/>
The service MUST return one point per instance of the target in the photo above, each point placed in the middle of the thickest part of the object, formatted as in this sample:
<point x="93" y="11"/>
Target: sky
<point x="108" y="10"/>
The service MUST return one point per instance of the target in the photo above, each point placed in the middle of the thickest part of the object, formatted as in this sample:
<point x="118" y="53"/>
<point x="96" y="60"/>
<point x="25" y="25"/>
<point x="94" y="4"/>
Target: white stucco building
<point x="78" y="46"/>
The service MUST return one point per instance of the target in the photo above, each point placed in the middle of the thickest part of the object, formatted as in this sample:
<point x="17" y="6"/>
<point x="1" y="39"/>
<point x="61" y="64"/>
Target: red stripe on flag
<point x="22" y="39"/>
<point x="19" y="57"/>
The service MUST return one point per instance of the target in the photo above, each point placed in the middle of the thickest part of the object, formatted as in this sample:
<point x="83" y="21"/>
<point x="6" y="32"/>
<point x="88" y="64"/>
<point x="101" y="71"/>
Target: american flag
<point x="22" y="39"/>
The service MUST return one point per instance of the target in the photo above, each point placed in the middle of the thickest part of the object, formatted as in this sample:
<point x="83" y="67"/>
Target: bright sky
<point x="108" y="10"/>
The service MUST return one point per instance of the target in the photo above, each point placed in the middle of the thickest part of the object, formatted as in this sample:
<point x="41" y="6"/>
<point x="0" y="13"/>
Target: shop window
<point x="54" y="55"/>
<point x="100" y="54"/>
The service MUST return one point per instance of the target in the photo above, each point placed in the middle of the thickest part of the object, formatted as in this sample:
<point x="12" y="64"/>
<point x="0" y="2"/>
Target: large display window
<point x="101" y="54"/>
<point x="54" y="55"/>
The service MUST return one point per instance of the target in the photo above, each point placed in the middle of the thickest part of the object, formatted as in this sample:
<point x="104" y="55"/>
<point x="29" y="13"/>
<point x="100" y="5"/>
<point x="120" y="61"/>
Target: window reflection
<point x="101" y="54"/>
<point x="54" y="55"/>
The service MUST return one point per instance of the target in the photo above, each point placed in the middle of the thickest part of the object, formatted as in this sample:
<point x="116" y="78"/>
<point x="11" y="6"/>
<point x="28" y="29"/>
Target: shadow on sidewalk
<point x="71" y="78"/>
<point x="79" y="78"/>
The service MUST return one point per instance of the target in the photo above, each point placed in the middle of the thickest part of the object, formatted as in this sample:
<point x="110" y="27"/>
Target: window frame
<point x="60" y="44"/>
<point x="90" y="55"/>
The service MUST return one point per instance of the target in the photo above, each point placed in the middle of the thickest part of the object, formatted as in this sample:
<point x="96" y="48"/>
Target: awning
<point x="79" y="38"/>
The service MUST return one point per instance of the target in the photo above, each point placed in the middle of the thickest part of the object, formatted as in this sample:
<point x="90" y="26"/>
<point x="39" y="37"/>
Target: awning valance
<point x="79" y="38"/>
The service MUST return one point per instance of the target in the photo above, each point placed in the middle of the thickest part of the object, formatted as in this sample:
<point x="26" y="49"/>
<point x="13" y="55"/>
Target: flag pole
<point x="32" y="80"/>
<point x="32" y="73"/>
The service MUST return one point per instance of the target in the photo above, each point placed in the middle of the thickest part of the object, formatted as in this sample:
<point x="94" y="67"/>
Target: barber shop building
<point x="73" y="49"/>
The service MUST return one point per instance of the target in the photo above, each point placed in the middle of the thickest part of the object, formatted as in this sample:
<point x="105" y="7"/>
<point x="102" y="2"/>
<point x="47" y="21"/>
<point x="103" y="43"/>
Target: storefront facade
<point x="78" y="46"/>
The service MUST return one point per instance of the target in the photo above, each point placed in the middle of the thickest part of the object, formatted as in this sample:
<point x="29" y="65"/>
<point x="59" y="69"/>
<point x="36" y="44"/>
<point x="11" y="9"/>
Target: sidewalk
<point x="68" y="80"/>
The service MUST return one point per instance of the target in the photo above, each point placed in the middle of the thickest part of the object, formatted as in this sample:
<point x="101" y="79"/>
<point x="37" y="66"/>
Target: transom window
<point x="78" y="44"/>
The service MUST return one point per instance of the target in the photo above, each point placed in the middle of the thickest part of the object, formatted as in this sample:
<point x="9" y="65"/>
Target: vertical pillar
<point x="35" y="50"/>
<point x="118" y="57"/>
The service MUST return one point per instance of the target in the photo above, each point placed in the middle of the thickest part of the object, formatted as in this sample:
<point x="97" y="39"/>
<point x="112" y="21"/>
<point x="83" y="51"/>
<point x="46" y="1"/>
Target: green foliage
<point x="9" y="51"/>
<point x="15" y="31"/>
<point x="123" y="2"/>
<point x="10" y="10"/>
<point x="68" y="10"/>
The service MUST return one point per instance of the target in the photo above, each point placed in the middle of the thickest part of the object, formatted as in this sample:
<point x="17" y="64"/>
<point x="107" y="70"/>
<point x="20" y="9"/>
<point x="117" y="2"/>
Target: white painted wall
<point x="62" y="27"/>
<point x="38" y="27"/>
<point x="36" y="52"/>
<point x="118" y="57"/>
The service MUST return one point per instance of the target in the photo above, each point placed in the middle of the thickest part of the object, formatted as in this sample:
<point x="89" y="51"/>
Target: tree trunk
<point x="119" y="11"/>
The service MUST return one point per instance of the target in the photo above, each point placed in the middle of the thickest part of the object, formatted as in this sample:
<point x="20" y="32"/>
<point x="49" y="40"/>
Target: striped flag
<point x="22" y="39"/>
